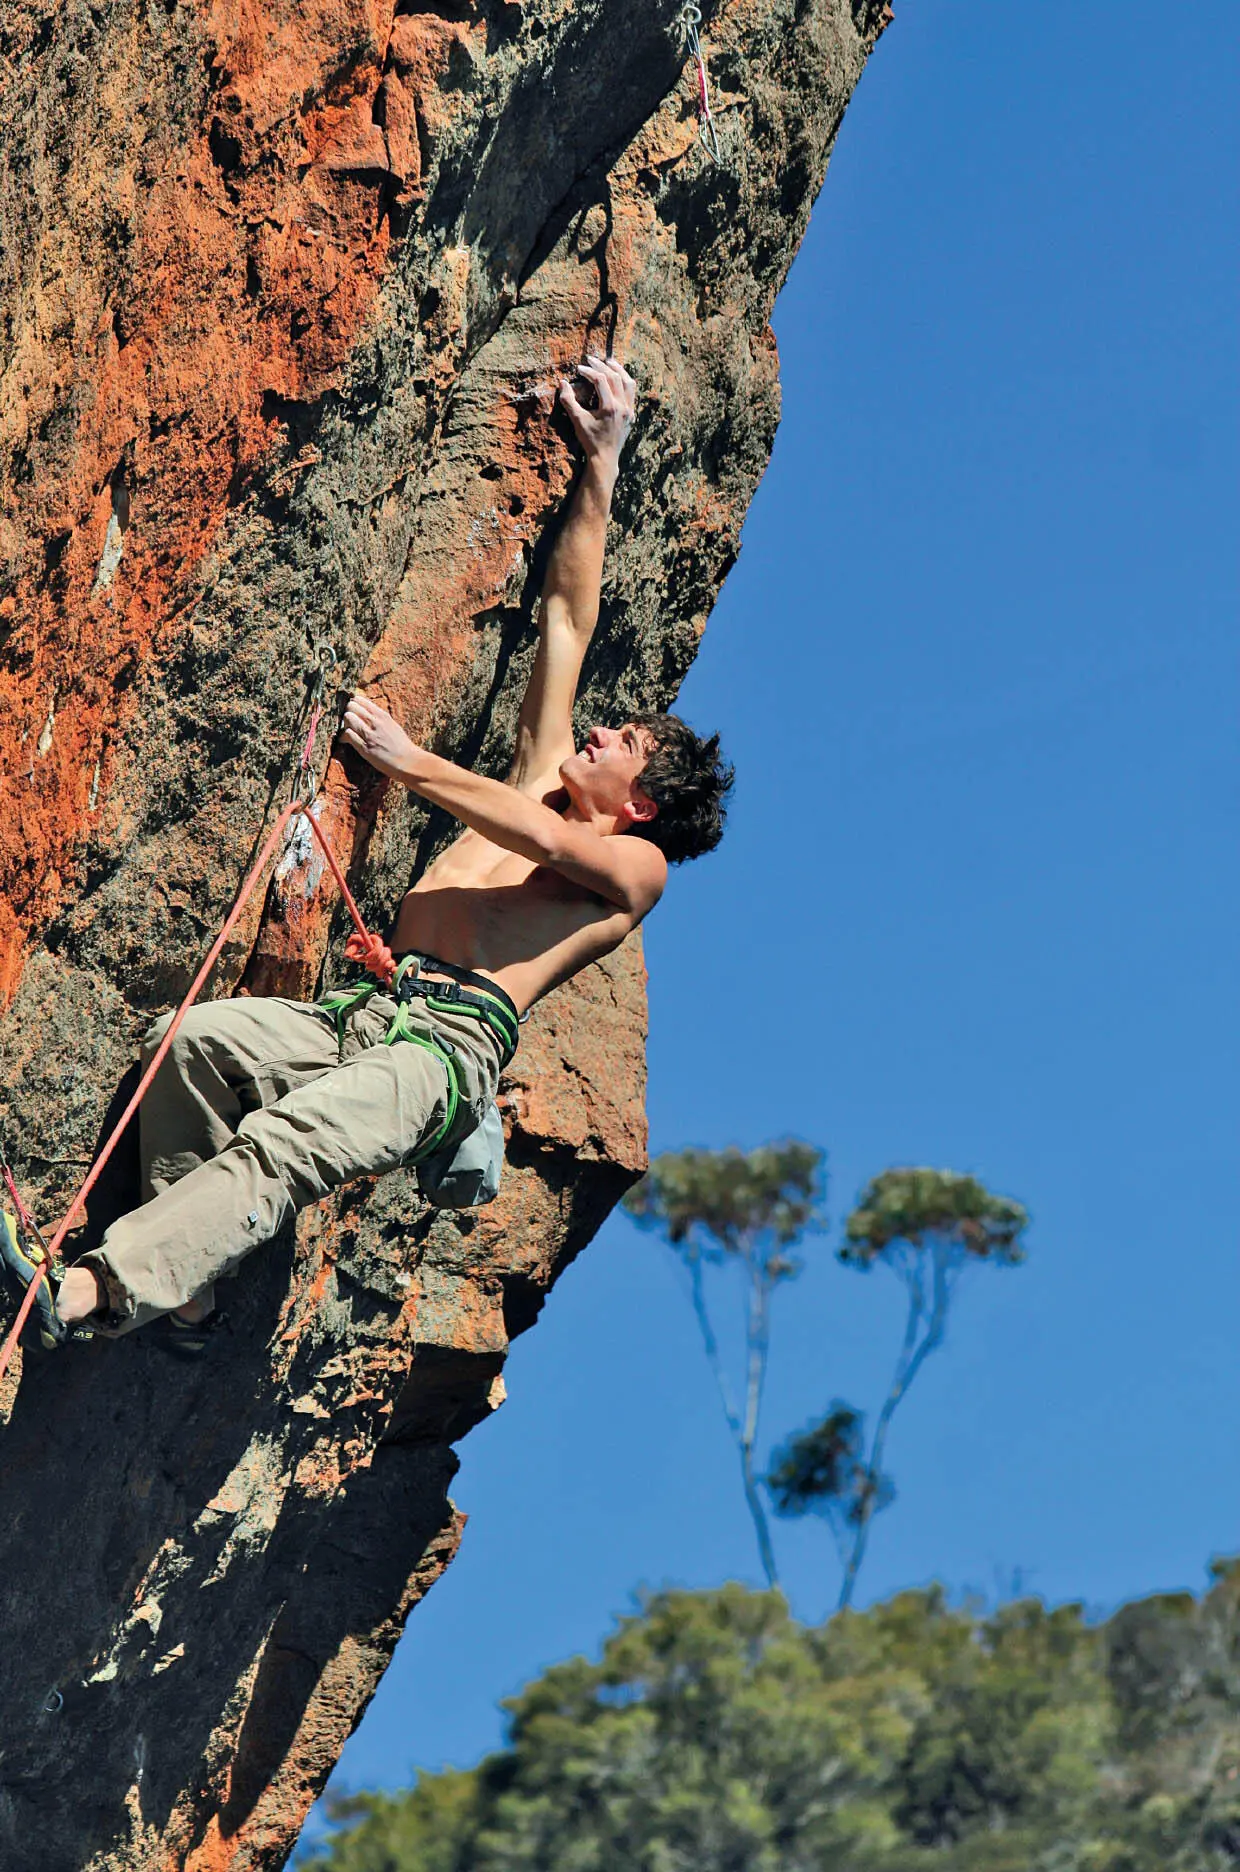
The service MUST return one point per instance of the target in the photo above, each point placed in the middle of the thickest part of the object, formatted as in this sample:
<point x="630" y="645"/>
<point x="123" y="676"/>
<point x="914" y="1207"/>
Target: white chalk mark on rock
<point x="44" y="742"/>
<point x="114" y="538"/>
<point x="113" y="546"/>
<point x="302" y="850"/>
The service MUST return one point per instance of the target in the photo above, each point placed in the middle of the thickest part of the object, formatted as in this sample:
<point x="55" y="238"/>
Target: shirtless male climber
<point x="264" y="1105"/>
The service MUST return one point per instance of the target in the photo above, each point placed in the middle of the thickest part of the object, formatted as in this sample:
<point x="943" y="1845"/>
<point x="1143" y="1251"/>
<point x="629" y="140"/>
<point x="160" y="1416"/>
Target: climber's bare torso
<point x="487" y="909"/>
<point x="548" y="876"/>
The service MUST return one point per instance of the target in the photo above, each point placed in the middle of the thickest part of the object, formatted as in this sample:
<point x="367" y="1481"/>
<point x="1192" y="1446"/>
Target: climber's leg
<point x="366" y="1116"/>
<point x="228" y="1058"/>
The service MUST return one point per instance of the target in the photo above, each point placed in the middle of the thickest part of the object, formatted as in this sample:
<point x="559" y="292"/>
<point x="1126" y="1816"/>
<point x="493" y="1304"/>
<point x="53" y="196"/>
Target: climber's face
<point x="603" y="780"/>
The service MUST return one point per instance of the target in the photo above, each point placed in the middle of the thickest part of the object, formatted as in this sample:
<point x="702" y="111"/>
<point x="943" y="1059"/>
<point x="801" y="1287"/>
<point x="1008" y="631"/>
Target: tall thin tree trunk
<point x="910" y="1361"/>
<point x="738" y="1427"/>
<point x="758" y="1346"/>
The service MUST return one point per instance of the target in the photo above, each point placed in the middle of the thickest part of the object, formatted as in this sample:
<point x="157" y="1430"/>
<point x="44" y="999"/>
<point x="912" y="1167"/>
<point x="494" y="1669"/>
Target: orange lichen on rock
<point x="251" y="261"/>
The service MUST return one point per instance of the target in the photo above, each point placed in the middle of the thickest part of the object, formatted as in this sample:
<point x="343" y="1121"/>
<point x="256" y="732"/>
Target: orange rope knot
<point x="373" y="954"/>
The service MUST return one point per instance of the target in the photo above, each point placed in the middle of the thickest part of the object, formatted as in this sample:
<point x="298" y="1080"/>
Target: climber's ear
<point x="639" y="808"/>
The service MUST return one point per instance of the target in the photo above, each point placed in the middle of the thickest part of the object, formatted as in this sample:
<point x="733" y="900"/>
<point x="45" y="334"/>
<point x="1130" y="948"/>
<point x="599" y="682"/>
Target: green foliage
<point x="822" y="1464"/>
<point x="909" y="1206"/>
<point x="823" y="1470"/>
<point x="718" y="1735"/>
<point x="427" y="1828"/>
<point x="717" y="1203"/>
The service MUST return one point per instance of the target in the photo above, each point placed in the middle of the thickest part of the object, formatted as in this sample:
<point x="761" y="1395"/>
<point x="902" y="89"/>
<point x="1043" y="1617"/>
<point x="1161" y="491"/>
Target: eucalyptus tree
<point x="925" y="1226"/>
<point x="745" y="1209"/>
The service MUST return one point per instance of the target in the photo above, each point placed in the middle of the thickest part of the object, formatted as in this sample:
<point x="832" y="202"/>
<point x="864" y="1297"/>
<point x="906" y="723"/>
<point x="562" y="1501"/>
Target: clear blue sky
<point x="976" y="670"/>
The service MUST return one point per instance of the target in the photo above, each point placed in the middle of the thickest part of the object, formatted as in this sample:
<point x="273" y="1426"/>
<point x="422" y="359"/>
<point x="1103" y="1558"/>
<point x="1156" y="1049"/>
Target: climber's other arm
<point x="570" y="594"/>
<point x="627" y="872"/>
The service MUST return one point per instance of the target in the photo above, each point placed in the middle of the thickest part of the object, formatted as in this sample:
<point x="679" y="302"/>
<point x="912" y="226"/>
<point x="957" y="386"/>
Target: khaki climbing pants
<point x="259" y="1109"/>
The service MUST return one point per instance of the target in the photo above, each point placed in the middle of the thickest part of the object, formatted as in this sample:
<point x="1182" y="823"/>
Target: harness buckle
<point x="418" y="988"/>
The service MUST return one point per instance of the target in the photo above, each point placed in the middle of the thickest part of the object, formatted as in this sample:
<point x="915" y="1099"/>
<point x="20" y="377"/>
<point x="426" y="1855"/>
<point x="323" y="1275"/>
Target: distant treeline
<point x="719" y="1735"/>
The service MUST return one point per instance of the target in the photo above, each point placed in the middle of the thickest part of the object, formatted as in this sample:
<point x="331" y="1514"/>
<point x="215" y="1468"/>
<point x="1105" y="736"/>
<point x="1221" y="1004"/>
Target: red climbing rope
<point x="361" y="947"/>
<point x="23" y="1214"/>
<point x="371" y="951"/>
<point x="374" y="955"/>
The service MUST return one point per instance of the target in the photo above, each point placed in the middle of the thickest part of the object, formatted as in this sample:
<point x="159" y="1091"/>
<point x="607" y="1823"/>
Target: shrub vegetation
<point x="716" y="1734"/>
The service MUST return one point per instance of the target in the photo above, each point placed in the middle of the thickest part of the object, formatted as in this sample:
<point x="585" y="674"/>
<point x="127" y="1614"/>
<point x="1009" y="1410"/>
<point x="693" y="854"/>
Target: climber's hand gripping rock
<point x="372" y="732"/>
<point x="602" y="431"/>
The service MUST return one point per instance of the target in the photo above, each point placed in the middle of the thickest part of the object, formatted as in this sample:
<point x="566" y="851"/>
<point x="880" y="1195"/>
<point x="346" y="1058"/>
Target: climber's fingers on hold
<point x="579" y="416"/>
<point x="376" y="736"/>
<point x="617" y="376"/>
<point x="625" y="388"/>
<point x="622" y="387"/>
<point x="602" y="422"/>
<point x="595" y="372"/>
<point x="361" y="718"/>
<point x="569" y="399"/>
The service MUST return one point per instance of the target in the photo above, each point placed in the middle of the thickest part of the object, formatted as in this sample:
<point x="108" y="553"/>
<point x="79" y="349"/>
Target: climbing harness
<point x="475" y="996"/>
<point x="467" y="993"/>
<point x="689" y="19"/>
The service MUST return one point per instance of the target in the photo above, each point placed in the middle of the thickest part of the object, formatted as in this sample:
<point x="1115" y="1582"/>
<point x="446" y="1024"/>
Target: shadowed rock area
<point x="284" y="295"/>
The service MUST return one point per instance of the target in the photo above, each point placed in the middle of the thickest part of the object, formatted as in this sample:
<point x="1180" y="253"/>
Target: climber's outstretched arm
<point x="570" y="595"/>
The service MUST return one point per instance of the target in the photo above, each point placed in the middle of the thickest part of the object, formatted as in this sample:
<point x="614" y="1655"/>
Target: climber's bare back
<point x="522" y="924"/>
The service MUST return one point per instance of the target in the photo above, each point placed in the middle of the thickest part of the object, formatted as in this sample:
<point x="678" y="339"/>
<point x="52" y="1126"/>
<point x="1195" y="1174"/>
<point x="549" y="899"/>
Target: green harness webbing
<point x="340" y="1003"/>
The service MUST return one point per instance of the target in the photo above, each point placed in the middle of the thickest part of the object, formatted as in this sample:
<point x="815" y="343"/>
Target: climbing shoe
<point x="44" y="1327"/>
<point x="182" y="1339"/>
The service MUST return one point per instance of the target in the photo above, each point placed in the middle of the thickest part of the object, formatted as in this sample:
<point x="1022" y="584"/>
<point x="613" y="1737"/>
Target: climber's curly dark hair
<point x="689" y="782"/>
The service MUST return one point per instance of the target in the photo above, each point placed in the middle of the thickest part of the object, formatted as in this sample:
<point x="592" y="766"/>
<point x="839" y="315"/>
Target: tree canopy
<point x="716" y="1734"/>
<point x="726" y="1199"/>
<point x="913" y="1206"/>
